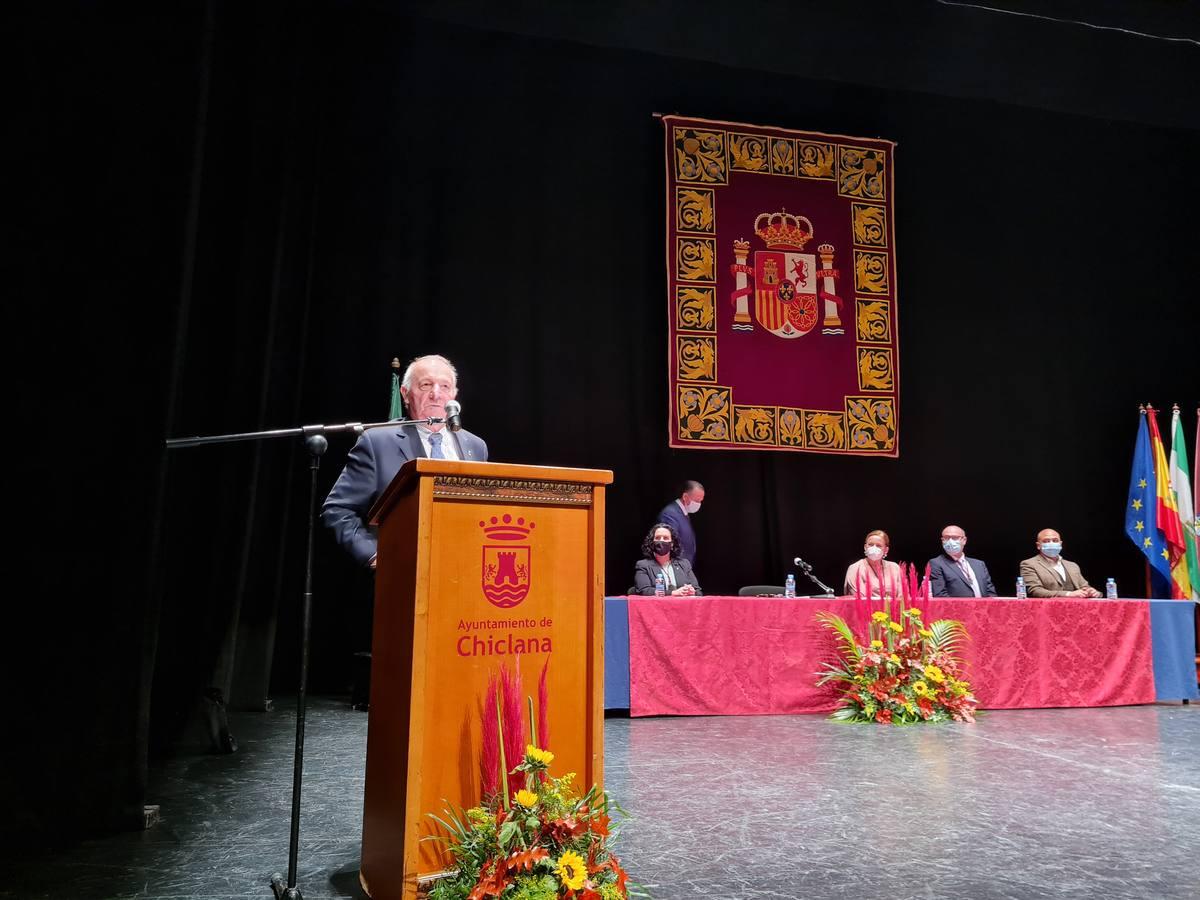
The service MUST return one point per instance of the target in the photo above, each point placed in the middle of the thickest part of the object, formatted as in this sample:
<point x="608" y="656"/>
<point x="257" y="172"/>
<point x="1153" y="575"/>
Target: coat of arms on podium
<point x="782" y="290"/>
<point x="506" y="567"/>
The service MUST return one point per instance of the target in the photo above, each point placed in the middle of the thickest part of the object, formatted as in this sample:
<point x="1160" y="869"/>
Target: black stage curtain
<point x="234" y="215"/>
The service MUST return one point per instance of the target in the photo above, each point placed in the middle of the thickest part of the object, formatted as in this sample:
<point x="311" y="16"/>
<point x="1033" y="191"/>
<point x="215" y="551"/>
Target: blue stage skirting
<point x="616" y="653"/>
<point x="1172" y="638"/>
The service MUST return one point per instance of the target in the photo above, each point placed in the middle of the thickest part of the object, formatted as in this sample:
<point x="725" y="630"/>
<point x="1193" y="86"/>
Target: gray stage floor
<point x="1090" y="803"/>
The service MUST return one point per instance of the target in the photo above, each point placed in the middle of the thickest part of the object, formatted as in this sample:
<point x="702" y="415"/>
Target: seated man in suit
<point x="661" y="556"/>
<point x="1049" y="575"/>
<point x="428" y="383"/>
<point x="677" y="514"/>
<point x="954" y="574"/>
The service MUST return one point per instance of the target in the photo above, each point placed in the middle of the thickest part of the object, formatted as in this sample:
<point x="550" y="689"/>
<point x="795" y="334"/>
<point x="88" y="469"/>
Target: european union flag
<point x="1143" y="501"/>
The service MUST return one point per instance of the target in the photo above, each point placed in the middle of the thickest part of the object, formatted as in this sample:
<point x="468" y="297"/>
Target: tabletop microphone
<point x="453" y="417"/>
<point x="802" y="564"/>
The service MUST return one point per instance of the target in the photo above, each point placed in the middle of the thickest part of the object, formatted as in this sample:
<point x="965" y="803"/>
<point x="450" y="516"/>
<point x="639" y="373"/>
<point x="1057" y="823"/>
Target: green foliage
<point x="845" y="636"/>
<point x="458" y="887"/>
<point x="537" y="887"/>
<point x="948" y="636"/>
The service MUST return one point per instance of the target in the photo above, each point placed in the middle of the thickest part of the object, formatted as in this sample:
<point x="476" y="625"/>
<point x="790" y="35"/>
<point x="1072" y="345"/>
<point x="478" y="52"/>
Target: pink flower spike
<point x="489" y="753"/>
<point x="515" y="726"/>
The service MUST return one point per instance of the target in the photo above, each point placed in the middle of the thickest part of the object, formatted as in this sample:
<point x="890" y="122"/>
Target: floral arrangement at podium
<point x="534" y="836"/>
<point x="905" y="671"/>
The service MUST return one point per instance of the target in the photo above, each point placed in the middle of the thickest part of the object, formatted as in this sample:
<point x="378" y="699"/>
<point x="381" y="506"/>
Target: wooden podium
<point x="480" y="564"/>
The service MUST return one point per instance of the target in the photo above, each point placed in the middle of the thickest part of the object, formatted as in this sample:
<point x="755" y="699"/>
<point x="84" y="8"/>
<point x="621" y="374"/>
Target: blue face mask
<point x="952" y="546"/>
<point x="1051" y="548"/>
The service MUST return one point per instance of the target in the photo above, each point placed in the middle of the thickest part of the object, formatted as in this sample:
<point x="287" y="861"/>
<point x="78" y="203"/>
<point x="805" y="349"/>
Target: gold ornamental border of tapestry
<point x="889" y="297"/>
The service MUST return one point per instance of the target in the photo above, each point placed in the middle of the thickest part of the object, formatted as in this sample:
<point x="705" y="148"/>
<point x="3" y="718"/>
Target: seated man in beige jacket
<point x="1049" y="575"/>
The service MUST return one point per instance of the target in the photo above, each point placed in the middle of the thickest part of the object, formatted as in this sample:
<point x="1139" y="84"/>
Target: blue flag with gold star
<point x="1141" y="505"/>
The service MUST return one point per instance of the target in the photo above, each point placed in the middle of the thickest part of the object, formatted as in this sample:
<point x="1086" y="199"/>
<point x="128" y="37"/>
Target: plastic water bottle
<point x="660" y="585"/>
<point x="789" y="586"/>
<point x="1021" y="595"/>
<point x="1110" y="589"/>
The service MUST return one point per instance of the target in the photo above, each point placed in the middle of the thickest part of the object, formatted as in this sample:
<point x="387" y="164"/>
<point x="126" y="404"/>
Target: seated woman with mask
<point x="873" y="575"/>
<point x="661" y="552"/>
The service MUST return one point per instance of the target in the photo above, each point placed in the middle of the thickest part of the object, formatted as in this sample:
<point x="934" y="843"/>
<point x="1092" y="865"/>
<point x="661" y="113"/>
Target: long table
<point x="761" y="656"/>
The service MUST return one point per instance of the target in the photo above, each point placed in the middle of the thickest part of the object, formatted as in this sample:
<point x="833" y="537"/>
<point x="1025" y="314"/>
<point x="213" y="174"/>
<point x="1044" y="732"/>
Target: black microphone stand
<point x="316" y="445"/>
<point x="807" y="570"/>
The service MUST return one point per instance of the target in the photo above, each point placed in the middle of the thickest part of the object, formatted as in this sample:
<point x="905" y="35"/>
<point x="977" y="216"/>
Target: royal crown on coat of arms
<point x="781" y="230"/>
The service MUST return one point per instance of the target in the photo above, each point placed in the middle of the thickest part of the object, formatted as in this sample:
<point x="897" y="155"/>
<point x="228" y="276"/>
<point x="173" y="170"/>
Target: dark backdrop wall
<point x="235" y="215"/>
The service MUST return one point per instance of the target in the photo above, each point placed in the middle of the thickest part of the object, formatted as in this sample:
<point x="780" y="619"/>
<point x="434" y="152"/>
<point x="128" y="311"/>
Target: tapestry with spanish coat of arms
<point x="781" y="261"/>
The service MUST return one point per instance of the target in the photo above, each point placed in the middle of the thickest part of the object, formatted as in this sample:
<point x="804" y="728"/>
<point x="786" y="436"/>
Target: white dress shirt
<point x="449" y="444"/>
<point x="969" y="574"/>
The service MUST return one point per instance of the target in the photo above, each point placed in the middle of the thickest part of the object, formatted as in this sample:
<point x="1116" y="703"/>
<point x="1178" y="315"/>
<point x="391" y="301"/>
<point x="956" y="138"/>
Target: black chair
<point x="761" y="590"/>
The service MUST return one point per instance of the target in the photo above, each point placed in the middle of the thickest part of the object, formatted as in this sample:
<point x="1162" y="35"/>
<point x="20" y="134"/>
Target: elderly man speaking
<point x="428" y="383"/>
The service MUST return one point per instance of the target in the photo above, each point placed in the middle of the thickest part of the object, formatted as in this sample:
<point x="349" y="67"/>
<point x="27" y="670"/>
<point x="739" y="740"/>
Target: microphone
<point x="808" y="572"/>
<point x="453" y="417"/>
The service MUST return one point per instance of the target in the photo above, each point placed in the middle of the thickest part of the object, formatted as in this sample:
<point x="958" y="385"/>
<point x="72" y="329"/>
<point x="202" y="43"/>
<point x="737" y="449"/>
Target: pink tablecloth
<point x="758" y="656"/>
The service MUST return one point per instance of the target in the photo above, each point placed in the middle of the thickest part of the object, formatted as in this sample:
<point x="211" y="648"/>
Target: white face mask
<point x="692" y="507"/>
<point x="874" y="553"/>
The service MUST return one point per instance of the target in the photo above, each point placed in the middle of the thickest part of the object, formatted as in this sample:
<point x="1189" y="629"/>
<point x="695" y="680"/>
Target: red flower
<point x="599" y="825"/>
<point x="883" y="716"/>
<point x="562" y="830"/>
<point x="615" y="864"/>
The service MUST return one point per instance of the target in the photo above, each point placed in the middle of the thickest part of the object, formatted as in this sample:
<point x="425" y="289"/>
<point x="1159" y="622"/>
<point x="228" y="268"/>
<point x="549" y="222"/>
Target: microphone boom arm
<point x="302" y="431"/>
<point x="808" y="572"/>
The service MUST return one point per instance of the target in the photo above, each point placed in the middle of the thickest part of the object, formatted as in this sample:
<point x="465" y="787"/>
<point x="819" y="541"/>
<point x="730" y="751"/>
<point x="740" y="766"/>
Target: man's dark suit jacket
<point x="673" y="515"/>
<point x="370" y="467"/>
<point x="947" y="580"/>
<point x="647" y="570"/>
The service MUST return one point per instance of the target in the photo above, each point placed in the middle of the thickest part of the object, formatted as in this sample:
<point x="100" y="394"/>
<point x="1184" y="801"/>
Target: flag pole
<point x="394" y="410"/>
<point x="1149" y="584"/>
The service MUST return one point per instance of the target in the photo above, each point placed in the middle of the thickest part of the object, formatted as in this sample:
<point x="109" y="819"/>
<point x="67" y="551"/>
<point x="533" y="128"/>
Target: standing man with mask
<point x="428" y="383"/>
<point x="676" y="514"/>
<point x="1049" y="575"/>
<point x="954" y="574"/>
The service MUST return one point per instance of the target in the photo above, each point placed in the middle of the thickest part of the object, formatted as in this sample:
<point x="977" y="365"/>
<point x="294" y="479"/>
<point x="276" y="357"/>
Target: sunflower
<point x="933" y="673"/>
<point x="880" y="616"/>
<point x="896" y="627"/>
<point x="876" y="645"/>
<point x="571" y="870"/>
<point x="540" y="757"/>
<point x="525" y="798"/>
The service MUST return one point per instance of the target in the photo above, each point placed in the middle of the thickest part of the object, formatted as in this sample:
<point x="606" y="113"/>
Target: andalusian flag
<point x="1142" y="505"/>
<point x="1167" y="516"/>
<point x="1181" y="483"/>
<point x="396" y="411"/>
